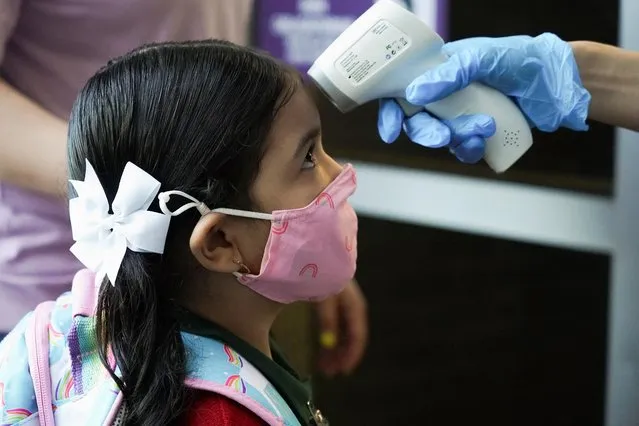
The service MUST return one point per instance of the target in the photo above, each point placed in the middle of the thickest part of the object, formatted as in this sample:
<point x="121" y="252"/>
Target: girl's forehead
<point x="297" y="117"/>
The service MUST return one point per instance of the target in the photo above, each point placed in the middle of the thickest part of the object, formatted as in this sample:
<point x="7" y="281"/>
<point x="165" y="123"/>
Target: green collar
<point x="295" y="391"/>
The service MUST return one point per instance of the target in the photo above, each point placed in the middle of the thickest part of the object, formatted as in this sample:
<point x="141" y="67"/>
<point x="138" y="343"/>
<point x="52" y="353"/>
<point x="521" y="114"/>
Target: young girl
<point x="205" y="202"/>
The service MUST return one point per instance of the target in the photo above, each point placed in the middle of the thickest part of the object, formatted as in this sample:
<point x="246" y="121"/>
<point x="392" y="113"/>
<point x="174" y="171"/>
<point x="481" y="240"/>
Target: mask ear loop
<point x="164" y="198"/>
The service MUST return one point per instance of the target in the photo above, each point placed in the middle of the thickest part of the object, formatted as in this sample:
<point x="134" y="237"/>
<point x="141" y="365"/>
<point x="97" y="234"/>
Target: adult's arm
<point x="32" y="144"/>
<point x="32" y="141"/>
<point x="611" y="75"/>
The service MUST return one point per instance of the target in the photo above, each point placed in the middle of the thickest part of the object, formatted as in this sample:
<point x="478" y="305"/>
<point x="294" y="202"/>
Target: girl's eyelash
<point x="310" y="158"/>
<point x="311" y="150"/>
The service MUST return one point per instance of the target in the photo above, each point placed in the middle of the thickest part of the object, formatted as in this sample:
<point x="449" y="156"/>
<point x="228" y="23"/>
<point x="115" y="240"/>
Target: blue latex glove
<point x="540" y="74"/>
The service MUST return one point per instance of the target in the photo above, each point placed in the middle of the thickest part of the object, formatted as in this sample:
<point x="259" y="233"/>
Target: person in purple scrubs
<point x="48" y="49"/>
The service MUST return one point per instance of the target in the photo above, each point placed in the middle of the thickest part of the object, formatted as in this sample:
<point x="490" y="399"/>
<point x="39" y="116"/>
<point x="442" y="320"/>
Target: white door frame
<point x="606" y="225"/>
<point x="506" y="210"/>
<point x="622" y="386"/>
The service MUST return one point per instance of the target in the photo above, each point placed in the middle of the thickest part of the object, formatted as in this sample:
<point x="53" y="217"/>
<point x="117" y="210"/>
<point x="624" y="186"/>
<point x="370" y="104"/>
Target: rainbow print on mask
<point x="16" y="415"/>
<point x="305" y="247"/>
<point x="234" y="357"/>
<point x="235" y="382"/>
<point x="310" y="269"/>
<point x="323" y="199"/>
<point x="279" y="228"/>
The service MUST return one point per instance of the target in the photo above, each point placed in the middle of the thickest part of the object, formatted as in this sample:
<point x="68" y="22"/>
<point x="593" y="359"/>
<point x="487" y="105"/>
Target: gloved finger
<point x="466" y="126"/>
<point x="425" y="130"/>
<point x="439" y="82"/>
<point x="389" y="120"/>
<point x="470" y="151"/>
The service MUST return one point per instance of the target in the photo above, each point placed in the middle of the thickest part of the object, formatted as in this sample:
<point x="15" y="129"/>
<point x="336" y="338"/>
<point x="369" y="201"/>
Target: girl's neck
<point x="238" y="321"/>
<point x="239" y="310"/>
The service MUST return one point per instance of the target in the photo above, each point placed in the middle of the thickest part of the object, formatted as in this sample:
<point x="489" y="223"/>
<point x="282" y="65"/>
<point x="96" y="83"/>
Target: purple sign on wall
<point x="298" y="31"/>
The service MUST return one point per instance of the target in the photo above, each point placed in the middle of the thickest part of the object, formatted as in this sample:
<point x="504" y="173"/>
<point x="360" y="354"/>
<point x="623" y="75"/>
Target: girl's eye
<point x="309" y="160"/>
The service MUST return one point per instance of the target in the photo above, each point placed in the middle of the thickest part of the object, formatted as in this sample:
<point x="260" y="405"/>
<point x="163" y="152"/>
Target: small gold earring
<point x="243" y="268"/>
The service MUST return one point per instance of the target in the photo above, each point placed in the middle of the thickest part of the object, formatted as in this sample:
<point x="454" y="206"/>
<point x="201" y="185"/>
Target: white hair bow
<point x="101" y="237"/>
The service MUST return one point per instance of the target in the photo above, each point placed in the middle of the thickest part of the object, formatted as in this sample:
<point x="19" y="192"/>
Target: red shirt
<point x="213" y="409"/>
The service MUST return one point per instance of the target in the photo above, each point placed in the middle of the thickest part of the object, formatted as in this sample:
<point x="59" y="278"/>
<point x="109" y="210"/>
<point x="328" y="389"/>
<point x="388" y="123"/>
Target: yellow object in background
<point x="328" y="340"/>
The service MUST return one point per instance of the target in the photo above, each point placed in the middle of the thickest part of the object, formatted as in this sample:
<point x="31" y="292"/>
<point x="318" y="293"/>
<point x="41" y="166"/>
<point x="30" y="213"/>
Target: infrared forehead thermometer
<point x="384" y="50"/>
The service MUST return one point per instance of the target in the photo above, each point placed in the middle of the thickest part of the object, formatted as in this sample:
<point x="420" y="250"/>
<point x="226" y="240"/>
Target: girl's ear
<point x="213" y="247"/>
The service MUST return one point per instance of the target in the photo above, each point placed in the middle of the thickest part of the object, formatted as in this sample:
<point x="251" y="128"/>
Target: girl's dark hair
<point x="195" y="116"/>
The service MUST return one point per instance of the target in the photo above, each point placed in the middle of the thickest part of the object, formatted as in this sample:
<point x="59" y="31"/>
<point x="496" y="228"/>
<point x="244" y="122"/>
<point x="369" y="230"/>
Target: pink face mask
<point x="311" y="252"/>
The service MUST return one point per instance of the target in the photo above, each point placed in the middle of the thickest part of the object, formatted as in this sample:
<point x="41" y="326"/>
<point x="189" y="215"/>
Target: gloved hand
<point x="540" y="74"/>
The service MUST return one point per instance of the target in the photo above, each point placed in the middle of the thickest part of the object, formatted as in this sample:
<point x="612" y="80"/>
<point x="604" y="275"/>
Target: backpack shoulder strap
<point x="37" y="340"/>
<point x="215" y="367"/>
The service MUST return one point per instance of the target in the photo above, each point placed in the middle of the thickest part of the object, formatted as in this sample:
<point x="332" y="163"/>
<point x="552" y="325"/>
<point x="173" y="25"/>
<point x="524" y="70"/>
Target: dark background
<point x="473" y="330"/>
